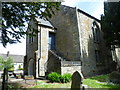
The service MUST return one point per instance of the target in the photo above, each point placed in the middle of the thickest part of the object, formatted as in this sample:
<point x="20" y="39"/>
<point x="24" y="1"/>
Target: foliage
<point x="114" y="77"/>
<point x="110" y="23"/>
<point x="16" y="14"/>
<point x="66" y="78"/>
<point x="20" y="68"/>
<point x="1" y="63"/>
<point x="55" y="77"/>
<point x="8" y="63"/>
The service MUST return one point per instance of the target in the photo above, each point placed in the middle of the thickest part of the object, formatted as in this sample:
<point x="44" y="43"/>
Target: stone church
<point x="70" y="41"/>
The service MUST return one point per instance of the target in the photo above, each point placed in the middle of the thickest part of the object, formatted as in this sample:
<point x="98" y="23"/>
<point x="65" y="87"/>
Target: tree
<point x="15" y="14"/>
<point x="8" y="63"/>
<point x="110" y="23"/>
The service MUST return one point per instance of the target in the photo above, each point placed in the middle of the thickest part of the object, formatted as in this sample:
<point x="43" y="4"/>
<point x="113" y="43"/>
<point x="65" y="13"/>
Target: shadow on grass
<point x="101" y="78"/>
<point x="112" y="86"/>
<point x="101" y="81"/>
<point x="14" y="85"/>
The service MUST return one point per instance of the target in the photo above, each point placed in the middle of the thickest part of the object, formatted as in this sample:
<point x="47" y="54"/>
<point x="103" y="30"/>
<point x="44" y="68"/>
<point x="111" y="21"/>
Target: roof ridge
<point x="89" y="15"/>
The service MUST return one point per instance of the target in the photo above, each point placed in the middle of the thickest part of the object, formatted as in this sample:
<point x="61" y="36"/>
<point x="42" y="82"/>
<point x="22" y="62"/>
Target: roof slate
<point x="16" y="58"/>
<point x="44" y="22"/>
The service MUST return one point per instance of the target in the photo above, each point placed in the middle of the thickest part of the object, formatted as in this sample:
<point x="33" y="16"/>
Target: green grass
<point x="93" y="82"/>
<point x="101" y="81"/>
<point x="42" y="84"/>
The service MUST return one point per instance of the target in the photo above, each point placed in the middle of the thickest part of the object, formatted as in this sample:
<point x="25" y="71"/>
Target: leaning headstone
<point x="76" y="81"/>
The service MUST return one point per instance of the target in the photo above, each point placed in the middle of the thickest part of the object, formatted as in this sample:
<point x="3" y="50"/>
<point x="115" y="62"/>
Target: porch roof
<point x="44" y="22"/>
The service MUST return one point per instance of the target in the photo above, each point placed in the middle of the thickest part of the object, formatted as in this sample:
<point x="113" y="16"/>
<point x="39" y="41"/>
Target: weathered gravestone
<point x="76" y="81"/>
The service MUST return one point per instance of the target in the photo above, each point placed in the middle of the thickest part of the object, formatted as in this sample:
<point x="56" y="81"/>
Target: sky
<point x="92" y="7"/>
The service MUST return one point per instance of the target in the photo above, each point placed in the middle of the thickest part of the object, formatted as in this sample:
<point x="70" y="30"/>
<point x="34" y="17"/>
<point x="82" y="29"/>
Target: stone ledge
<point x="70" y="63"/>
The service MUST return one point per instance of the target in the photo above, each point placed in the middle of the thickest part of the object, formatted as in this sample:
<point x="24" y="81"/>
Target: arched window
<point x="96" y="38"/>
<point x="96" y="32"/>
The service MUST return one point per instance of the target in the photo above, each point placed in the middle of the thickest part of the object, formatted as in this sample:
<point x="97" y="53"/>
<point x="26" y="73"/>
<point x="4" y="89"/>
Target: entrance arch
<point x="31" y="67"/>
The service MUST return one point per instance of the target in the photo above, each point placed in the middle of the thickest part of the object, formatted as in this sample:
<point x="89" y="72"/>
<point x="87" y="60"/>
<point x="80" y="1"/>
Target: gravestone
<point x="76" y="81"/>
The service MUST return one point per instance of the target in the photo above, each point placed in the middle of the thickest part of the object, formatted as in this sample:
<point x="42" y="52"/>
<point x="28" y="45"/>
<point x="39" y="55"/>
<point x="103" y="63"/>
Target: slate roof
<point x="44" y="22"/>
<point x="16" y="58"/>
<point x="83" y="12"/>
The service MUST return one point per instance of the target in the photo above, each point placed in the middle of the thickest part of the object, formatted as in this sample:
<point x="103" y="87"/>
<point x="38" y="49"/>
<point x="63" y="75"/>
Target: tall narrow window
<point x="96" y="32"/>
<point x="31" y="39"/>
<point x="51" y="41"/>
<point x="97" y="56"/>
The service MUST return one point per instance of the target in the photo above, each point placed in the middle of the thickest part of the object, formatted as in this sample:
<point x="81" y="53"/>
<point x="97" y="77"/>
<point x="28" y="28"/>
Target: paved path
<point x="22" y="82"/>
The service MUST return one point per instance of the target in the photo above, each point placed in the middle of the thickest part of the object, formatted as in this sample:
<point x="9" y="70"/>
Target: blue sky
<point x="92" y="7"/>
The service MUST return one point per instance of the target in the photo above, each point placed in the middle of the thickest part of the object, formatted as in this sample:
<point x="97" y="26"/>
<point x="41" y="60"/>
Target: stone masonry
<point x="76" y="48"/>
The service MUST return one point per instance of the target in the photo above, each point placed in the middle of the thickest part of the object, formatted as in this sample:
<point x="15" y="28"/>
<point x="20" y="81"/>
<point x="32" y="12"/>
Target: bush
<point x="114" y="77"/>
<point x="66" y="78"/>
<point x="9" y="63"/>
<point x="20" y="68"/>
<point x="55" y="77"/>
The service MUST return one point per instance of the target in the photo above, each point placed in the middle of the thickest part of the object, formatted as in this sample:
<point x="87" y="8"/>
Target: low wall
<point x="70" y="67"/>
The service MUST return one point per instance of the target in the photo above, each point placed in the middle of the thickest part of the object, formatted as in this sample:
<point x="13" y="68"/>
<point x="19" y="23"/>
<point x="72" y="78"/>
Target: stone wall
<point x="43" y="42"/>
<point x="116" y="57"/>
<point x="70" y="67"/>
<point x="30" y="47"/>
<point x="53" y="64"/>
<point x="67" y="41"/>
<point x="74" y="42"/>
<point x="90" y="66"/>
<point x="56" y="64"/>
<point x="74" y="35"/>
<point x="38" y="49"/>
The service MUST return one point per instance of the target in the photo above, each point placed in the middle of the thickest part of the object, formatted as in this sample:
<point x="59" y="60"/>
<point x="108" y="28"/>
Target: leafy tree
<point x="8" y="63"/>
<point x="110" y="23"/>
<point x="15" y="14"/>
<point x="1" y="63"/>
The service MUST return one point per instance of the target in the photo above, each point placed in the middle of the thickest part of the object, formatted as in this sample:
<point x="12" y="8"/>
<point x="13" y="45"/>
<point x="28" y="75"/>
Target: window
<point x="97" y="56"/>
<point x="96" y="32"/>
<point x="31" y="39"/>
<point x="51" y="41"/>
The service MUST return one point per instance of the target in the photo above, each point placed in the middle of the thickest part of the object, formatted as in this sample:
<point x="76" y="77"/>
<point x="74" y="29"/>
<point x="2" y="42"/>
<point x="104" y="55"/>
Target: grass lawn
<point x="101" y="81"/>
<point x="93" y="82"/>
<point x="43" y="84"/>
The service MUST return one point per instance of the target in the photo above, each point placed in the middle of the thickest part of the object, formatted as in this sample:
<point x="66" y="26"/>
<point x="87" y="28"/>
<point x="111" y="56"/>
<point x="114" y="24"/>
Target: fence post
<point x="5" y="79"/>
